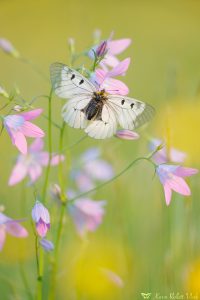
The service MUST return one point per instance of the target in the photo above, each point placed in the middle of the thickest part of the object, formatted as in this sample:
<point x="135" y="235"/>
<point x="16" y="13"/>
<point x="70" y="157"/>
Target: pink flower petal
<point x="184" y="172"/>
<point x="110" y="60"/>
<point x="120" y="69"/>
<point x="114" y="86"/>
<point x="31" y="130"/>
<point x="99" y="169"/>
<point x="42" y="228"/>
<point x="100" y="76"/>
<point x="177" y="156"/>
<point x="15" y="229"/>
<point x="43" y="158"/>
<point x="2" y="237"/>
<point x="118" y="46"/>
<point x="168" y="193"/>
<point x="18" y="173"/>
<point x="13" y="121"/>
<point x="30" y="115"/>
<point x="34" y="171"/>
<point x="83" y="181"/>
<point x="179" y="185"/>
<point x="20" y="142"/>
<point x="37" y="145"/>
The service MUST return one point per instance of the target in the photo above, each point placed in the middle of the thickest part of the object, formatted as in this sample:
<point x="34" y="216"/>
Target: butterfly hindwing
<point x="68" y="82"/>
<point x="105" y="127"/>
<point x="72" y="111"/>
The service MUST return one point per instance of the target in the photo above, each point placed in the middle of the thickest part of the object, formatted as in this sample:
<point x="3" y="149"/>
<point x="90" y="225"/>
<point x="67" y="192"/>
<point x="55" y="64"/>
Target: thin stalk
<point x="60" y="223"/>
<point x="49" y="147"/>
<point x="57" y="244"/>
<point x="60" y="166"/>
<point x="39" y="271"/>
<point x="98" y="187"/>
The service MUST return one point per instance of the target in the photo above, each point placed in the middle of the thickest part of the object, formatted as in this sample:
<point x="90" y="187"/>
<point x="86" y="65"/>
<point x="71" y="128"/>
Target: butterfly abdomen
<point x="93" y="109"/>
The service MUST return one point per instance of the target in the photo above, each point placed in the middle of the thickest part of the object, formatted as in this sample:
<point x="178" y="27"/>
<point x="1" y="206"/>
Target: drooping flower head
<point x="19" y="127"/>
<point x="31" y="164"/>
<point x="172" y="178"/>
<point x="41" y="217"/>
<point x="12" y="227"/>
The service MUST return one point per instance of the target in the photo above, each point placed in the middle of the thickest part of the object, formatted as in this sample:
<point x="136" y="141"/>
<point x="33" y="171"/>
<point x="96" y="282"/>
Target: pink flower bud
<point x="7" y="47"/>
<point x="41" y="217"/>
<point x="126" y="134"/>
<point x="102" y="49"/>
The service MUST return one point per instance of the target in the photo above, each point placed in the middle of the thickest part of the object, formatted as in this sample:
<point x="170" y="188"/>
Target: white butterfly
<point x="94" y="110"/>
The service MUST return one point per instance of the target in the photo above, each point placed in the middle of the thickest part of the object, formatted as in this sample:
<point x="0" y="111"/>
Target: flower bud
<point x="41" y="217"/>
<point x="102" y="49"/>
<point x="126" y="134"/>
<point x="71" y="43"/>
<point x="7" y="47"/>
<point x="55" y="192"/>
<point x="3" y="93"/>
<point x="47" y="245"/>
<point x="18" y="108"/>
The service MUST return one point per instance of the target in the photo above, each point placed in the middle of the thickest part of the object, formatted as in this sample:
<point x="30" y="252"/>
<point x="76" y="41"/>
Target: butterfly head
<point x="100" y="95"/>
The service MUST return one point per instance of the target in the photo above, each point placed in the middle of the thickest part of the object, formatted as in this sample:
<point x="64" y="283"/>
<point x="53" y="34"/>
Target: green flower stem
<point x="57" y="244"/>
<point x="61" y="218"/>
<point x="39" y="269"/>
<point x="49" y="148"/>
<point x="98" y="187"/>
<point x="60" y="166"/>
<point x="40" y="259"/>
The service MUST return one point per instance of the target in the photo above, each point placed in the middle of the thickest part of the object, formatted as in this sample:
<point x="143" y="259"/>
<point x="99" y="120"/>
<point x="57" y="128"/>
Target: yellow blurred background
<point x="152" y="247"/>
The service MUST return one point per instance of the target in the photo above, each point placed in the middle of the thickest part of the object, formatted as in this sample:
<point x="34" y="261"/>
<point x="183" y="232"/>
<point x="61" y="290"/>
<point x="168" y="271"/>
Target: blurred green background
<point x="152" y="247"/>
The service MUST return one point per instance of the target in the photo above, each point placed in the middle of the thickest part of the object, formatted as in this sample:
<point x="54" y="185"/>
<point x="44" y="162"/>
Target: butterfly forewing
<point x="68" y="82"/>
<point x="130" y="113"/>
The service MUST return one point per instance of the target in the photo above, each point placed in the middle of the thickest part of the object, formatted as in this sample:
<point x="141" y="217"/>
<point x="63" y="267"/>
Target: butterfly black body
<point x="94" y="108"/>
